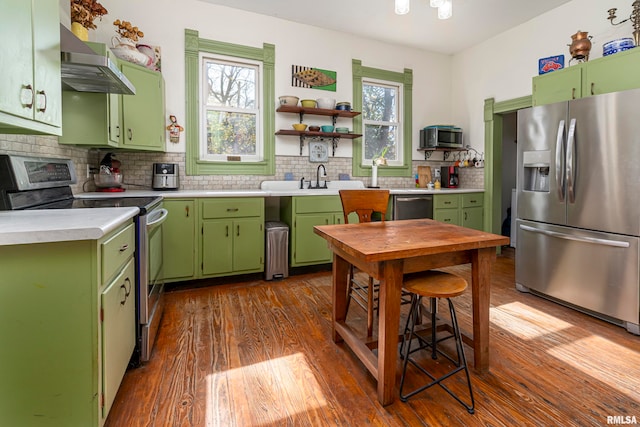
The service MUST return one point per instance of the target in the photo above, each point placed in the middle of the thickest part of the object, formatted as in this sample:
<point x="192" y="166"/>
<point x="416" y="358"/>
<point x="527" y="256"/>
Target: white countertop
<point x="59" y="225"/>
<point x="265" y="193"/>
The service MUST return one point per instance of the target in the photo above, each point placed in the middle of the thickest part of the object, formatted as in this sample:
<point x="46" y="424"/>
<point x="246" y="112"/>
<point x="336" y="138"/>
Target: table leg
<point x="481" y="294"/>
<point x="388" y="321"/>
<point x="339" y="294"/>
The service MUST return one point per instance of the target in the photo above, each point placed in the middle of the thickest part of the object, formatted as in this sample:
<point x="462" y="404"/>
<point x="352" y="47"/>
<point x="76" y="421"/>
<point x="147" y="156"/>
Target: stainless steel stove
<point x="45" y="183"/>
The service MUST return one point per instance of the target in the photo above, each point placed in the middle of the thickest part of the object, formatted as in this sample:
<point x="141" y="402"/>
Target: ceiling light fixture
<point x="445" y="10"/>
<point x="402" y="7"/>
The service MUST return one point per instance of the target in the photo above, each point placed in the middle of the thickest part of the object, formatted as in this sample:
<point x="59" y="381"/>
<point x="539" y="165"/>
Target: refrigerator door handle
<point x="571" y="175"/>
<point x="559" y="159"/>
<point x="606" y="242"/>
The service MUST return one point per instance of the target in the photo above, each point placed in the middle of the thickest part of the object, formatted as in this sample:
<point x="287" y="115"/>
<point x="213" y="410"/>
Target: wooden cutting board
<point x="424" y="176"/>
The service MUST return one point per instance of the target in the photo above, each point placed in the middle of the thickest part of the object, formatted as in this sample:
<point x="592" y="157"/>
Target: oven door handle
<point x="163" y="213"/>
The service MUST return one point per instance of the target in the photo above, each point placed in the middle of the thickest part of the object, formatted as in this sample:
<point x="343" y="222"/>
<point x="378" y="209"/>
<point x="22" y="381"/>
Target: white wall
<point x="164" y="21"/>
<point x="502" y="67"/>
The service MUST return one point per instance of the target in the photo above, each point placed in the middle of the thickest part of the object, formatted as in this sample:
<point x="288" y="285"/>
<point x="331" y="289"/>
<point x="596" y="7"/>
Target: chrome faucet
<point x="318" y="176"/>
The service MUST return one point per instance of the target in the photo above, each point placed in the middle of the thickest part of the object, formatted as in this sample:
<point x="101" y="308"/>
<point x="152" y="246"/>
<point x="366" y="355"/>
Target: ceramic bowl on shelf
<point x="327" y="128"/>
<point x="619" y="45"/>
<point x="342" y="130"/>
<point x="290" y="101"/>
<point x="314" y="128"/>
<point x="308" y="103"/>
<point x="326" y="103"/>
<point x="299" y="126"/>
<point x="344" y="106"/>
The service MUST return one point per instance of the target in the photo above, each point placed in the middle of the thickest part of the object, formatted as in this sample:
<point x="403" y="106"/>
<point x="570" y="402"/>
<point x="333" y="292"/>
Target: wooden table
<point x="388" y="250"/>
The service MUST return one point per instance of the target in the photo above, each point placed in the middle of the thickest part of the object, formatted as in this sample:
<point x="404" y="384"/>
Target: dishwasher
<point x="413" y="207"/>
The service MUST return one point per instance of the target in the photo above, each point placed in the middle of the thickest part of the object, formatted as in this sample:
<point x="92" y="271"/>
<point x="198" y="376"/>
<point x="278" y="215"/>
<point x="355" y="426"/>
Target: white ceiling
<point x="473" y="21"/>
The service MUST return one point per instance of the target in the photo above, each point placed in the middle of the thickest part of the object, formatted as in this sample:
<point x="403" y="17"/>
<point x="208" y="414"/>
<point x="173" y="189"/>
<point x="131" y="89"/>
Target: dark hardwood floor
<point x="260" y="354"/>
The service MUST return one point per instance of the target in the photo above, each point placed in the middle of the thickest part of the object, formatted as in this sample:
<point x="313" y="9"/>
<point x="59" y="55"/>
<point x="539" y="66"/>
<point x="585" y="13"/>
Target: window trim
<point x="406" y="79"/>
<point x="399" y="89"/>
<point x="194" y="45"/>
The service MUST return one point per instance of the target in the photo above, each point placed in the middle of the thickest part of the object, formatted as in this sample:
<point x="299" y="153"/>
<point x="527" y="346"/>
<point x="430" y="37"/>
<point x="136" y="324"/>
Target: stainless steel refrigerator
<point x="578" y="205"/>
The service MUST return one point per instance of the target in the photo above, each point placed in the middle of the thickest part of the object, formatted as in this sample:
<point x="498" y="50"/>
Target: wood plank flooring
<point x="260" y="354"/>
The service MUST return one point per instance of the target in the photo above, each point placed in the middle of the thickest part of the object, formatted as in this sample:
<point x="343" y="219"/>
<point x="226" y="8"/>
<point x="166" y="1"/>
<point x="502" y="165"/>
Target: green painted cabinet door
<point x="179" y="239"/>
<point x="473" y="218"/>
<point x="248" y="244"/>
<point x="143" y="114"/>
<point x="309" y="248"/>
<point x="46" y="65"/>
<point x="217" y="246"/>
<point x="612" y="73"/>
<point x="30" y="56"/>
<point x="118" y="331"/>
<point x="560" y="85"/>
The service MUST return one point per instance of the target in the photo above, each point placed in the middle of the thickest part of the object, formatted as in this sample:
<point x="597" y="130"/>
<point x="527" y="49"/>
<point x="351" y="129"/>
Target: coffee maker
<point x="449" y="176"/>
<point x="165" y="176"/>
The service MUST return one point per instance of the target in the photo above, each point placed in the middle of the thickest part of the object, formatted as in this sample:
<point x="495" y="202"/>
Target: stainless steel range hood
<point x="85" y="71"/>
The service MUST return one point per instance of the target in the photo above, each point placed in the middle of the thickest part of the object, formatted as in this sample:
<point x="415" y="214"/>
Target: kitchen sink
<point x="295" y="185"/>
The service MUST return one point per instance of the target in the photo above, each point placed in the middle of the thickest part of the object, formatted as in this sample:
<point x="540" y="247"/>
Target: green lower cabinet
<point x="464" y="209"/>
<point x="232" y="236"/>
<point x="66" y="335"/>
<point x="179" y="240"/>
<point x="302" y="214"/>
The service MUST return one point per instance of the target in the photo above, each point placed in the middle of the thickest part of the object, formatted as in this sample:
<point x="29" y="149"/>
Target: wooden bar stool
<point x="433" y="284"/>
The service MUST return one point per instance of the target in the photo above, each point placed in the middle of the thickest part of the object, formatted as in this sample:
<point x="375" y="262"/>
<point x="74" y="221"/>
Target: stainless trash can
<point x="277" y="250"/>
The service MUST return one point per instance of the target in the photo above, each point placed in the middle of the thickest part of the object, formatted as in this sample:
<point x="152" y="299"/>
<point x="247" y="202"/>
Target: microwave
<point x="441" y="137"/>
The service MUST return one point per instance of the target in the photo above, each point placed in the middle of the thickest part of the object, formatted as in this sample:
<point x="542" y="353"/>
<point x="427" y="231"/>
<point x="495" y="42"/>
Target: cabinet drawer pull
<point x="447" y="220"/>
<point x="573" y="93"/>
<point x="592" y="85"/>
<point x="473" y="201"/>
<point x="118" y="131"/>
<point x="447" y="203"/>
<point x="186" y="211"/>
<point x="238" y="230"/>
<point x="127" y="292"/>
<point x="227" y="231"/>
<point x="130" y="134"/>
<point x="124" y="247"/>
<point x="465" y="216"/>
<point x="232" y="209"/>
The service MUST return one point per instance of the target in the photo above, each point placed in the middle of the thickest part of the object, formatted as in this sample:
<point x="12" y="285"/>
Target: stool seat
<point x="435" y="284"/>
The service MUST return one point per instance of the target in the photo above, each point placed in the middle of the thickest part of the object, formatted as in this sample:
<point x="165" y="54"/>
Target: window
<point x="384" y="98"/>
<point x="230" y="107"/>
<point x="230" y="110"/>
<point x="381" y="122"/>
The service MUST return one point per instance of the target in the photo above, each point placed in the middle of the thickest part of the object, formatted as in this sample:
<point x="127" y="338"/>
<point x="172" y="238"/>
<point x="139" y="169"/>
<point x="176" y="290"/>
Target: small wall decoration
<point x="551" y="63"/>
<point x="315" y="78"/>
<point x="174" y="129"/>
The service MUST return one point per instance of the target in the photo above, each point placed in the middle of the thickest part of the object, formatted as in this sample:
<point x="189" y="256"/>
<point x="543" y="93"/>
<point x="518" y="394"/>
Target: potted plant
<point x="83" y="13"/>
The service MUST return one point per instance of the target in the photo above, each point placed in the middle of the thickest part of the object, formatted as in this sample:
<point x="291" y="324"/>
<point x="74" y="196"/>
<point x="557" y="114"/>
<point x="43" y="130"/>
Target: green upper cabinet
<point x="143" y="113"/>
<point x="103" y="120"/>
<point x="612" y="73"/>
<point x="30" y="56"/>
<point x="557" y="86"/>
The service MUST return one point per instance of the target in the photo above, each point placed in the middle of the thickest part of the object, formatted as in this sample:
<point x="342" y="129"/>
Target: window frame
<point x="398" y="87"/>
<point x="194" y="46"/>
<point x="405" y="78"/>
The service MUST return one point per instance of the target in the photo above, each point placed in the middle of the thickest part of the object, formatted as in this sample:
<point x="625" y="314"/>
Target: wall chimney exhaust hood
<point x="85" y="71"/>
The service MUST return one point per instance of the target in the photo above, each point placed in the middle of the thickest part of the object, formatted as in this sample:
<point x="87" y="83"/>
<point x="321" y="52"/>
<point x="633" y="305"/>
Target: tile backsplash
<point x="137" y="167"/>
